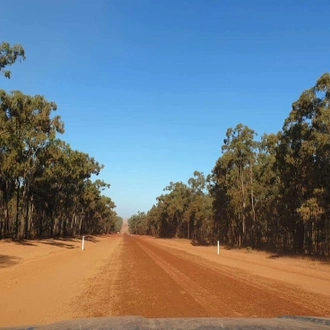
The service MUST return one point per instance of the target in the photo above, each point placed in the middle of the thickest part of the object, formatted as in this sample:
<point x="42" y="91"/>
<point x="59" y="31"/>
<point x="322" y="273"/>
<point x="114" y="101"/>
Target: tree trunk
<point x="73" y="225"/>
<point x="299" y="237"/>
<point x="6" y="212"/>
<point x="252" y="207"/>
<point x="40" y="224"/>
<point x="189" y="229"/>
<point x="26" y="222"/>
<point x="17" y="207"/>
<point x="243" y="206"/>
<point x="26" y="205"/>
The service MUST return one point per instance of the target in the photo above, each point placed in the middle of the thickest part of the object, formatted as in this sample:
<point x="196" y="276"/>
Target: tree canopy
<point x="9" y="55"/>
<point x="46" y="187"/>
<point x="272" y="192"/>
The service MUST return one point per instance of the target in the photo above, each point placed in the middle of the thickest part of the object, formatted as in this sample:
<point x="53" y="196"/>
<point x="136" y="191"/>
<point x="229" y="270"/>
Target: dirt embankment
<point x="41" y="280"/>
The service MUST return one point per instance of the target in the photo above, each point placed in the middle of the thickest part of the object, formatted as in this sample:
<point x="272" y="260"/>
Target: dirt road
<point x="47" y="281"/>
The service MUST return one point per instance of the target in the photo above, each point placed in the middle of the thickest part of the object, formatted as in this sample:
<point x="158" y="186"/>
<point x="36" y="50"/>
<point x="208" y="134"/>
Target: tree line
<point x="266" y="193"/>
<point x="46" y="188"/>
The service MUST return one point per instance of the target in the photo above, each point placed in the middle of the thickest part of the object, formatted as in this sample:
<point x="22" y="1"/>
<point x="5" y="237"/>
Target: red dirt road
<point x="48" y="281"/>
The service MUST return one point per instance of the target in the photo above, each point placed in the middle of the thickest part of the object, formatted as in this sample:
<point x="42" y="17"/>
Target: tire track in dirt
<point x="235" y="295"/>
<point x="295" y="271"/>
<point x="131" y="283"/>
<point x="209" y="301"/>
<point x="144" y="288"/>
<point x="317" y="304"/>
<point x="296" y="295"/>
<point x="140" y="277"/>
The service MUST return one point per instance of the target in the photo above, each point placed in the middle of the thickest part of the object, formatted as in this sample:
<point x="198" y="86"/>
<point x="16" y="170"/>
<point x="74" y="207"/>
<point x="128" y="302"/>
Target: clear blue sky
<point x="149" y="87"/>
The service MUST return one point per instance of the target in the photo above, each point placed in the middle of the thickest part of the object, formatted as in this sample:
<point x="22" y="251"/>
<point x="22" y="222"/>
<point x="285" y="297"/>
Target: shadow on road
<point x="24" y="243"/>
<point x="60" y="244"/>
<point x="200" y="243"/>
<point x="91" y="239"/>
<point x="8" y="261"/>
<point x="277" y="255"/>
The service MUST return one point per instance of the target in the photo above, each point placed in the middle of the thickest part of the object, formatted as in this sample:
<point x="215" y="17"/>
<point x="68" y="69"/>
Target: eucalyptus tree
<point x="303" y="157"/>
<point x="272" y="193"/>
<point x="226" y="223"/>
<point x="184" y="210"/>
<point x="138" y="224"/>
<point x="27" y="127"/>
<point x="269" y="231"/>
<point x="118" y="223"/>
<point x="237" y="165"/>
<point x="45" y="185"/>
<point x="198" y="213"/>
<point x="9" y="55"/>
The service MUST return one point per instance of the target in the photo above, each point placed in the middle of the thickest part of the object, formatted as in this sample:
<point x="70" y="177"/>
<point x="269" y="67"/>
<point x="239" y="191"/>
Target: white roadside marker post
<point x="218" y="248"/>
<point x="83" y="243"/>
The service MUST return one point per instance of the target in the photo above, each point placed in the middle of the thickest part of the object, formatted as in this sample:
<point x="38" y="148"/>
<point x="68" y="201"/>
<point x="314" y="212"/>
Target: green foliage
<point x="303" y="160"/>
<point x="137" y="224"/>
<point x="249" y="249"/>
<point x="268" y="193"/>
<point x="185" y="210"/>
<point x="9" y="55"/>
<point x="45" y="186"/>
<point x="118" y="223"/>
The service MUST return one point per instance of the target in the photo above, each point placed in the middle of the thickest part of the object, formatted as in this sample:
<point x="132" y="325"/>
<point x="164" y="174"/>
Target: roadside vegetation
<point x="46" y="187"/>
<point x="271" y="192"/>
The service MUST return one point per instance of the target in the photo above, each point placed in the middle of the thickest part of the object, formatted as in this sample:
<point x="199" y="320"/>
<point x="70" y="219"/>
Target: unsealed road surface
<point x="131" y="275"/>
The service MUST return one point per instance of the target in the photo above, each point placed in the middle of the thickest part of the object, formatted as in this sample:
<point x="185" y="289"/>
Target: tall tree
<point x="239" y="151"/>
<point x="9" y="55"/>
<point x="303" y="157"/>
<point x="26" y="128"/>
<point x="45" y="186"/>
